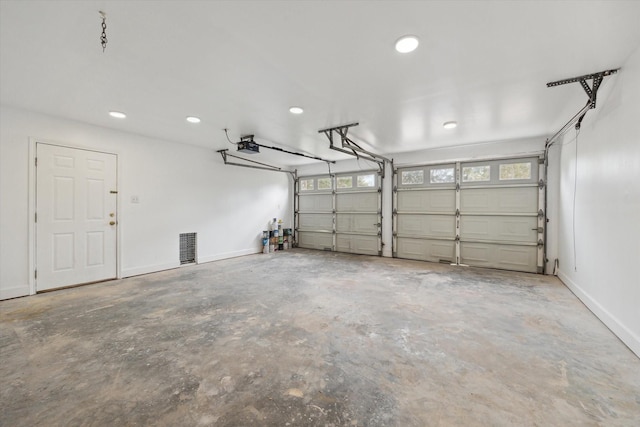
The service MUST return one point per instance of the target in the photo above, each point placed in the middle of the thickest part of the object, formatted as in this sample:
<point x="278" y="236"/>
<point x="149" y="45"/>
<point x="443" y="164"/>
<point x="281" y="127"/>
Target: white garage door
<point x="340" y="212"/>
<point x="484" y="214"/>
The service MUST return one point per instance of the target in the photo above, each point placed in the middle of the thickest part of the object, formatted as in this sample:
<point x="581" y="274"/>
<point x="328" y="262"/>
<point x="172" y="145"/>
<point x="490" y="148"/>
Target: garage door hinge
<point x="395" y="211"/>
<point x="395" y="188"/>
<point x="540" y="243"/>
<point x="540" y="214"/>
<point x="35" y="274"/>
<point x="36" y="217"/>
<point x="36" y="160"/>
<point x="541" y="184"/>
<point x="457" y="187"/>
<point x="458" y="212"/>
<point x="457" y="238"/>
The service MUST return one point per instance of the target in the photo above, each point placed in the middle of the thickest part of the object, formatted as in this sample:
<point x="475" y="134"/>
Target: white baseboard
<point x="137" y="271"/>
<point x="627" y="336"/>
<point x="14" y="292"/>
<point x="226" y="255"/>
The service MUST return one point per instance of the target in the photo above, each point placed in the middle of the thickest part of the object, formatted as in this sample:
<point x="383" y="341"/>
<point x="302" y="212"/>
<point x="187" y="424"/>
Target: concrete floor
<point x="306" y="338"/>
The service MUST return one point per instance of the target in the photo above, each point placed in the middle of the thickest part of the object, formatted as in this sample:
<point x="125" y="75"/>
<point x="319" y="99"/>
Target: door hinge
<point x="36" y="162"/>
<point x="36" y="217"/>
<point x="113" y="192"/>
<point x="35" y="274"/>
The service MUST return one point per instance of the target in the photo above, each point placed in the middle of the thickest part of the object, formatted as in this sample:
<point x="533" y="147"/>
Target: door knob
<point x="112" y="223"/>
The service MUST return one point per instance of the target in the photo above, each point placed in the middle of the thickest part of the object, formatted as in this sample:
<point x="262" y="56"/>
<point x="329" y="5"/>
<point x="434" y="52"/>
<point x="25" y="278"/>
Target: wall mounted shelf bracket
<point x="347" y="146"/>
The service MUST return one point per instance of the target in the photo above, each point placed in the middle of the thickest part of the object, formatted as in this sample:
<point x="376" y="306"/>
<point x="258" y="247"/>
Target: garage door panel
<point x="442" y="226"/>
<point x="507" y="257"/>
<point x="316" y="221"/>
<point x="502" y="228"/>
<point x="367" y="245"/>
<point x="357" y="202"/>
<point x="357" y="223"/>
<point x="427" y="201"/>
<point x="426" y="250"/>
<point x="316" y="203"/>
<point x="512" y="200"/>
<point x="311" y="240"/>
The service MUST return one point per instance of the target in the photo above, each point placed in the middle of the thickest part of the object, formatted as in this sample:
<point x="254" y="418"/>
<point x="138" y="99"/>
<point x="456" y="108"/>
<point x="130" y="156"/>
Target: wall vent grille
<point x="188" y="248"/>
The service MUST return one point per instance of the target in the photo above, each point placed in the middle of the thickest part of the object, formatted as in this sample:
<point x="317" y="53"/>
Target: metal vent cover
<point x="188" y="248"/>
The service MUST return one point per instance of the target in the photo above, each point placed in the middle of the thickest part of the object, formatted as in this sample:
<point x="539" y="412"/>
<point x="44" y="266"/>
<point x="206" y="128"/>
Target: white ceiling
<point x="242" y="64"/>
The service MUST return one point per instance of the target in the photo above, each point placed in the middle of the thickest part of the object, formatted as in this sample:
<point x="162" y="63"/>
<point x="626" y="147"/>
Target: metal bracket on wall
<point x="592" y="91"/>
<point x="264" y="166"/>
<point x="347" y="146"/>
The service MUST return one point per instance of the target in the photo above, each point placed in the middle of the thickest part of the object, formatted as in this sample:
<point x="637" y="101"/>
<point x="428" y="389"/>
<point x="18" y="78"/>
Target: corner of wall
<point x="628" y="337"/>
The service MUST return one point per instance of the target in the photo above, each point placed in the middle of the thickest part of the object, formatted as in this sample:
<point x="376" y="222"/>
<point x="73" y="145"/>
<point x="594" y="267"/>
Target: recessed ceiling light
<point x="296" y="110"/>
<point x="450" y="125"/>
<point x="117" y="114"/>
<point x="406" y="44"/>
<point x="193" y="119"/>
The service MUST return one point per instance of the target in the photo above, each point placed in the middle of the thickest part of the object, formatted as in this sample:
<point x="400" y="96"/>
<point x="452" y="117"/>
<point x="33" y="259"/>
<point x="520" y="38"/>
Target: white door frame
<point x="32" y="205"/>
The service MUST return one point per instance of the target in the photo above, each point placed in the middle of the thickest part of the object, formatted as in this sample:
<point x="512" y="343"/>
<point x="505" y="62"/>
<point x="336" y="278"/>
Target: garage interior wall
<point x="181" y="189"/>
<point x="604" y="269"/>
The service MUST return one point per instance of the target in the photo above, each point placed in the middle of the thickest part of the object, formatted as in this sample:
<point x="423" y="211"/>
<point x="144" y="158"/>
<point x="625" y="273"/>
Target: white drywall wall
<point x="605" y="273"/>
<point x="181" y="188"/>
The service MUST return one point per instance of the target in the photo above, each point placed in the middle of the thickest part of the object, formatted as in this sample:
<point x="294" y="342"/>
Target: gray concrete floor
<point x="305" y="338"/>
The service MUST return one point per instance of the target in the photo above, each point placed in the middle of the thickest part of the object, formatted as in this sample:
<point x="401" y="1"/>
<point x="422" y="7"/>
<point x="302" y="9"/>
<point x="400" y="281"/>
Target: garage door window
<point x="366" y="180"/>
<point x="413" y="177"/>
<point x="509" y="171"/>
<point x="441" y="176"/>
<point x="306" y="184"/>
<point x="324" y="183"/>
<point x="476" y="173"/>
<point x="345" y="182"/>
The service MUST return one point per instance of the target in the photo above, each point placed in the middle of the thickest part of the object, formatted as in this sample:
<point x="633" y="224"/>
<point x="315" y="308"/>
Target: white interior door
<point x="76" y="196"/>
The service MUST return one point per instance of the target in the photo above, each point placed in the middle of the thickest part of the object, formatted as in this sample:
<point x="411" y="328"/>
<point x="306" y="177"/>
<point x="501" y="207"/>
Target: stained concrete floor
<point x="306" y="338"/>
